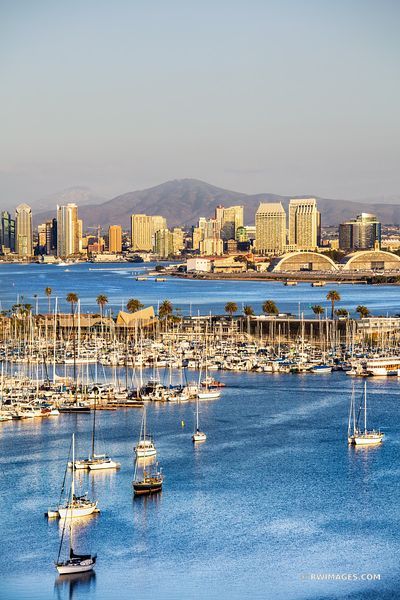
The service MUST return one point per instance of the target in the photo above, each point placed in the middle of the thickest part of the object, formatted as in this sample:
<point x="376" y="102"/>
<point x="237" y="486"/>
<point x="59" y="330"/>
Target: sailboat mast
<point x="94" y="425"/>
<point x="73" y="468"/>
<point x="365" y="406"/>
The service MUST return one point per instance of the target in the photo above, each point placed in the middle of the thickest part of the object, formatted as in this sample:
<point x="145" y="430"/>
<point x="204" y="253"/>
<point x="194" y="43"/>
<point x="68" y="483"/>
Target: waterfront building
<point x="115" y="239"/>
<point x="143" y="229"/>
<point x="7" y="233"/>
<point x="23" y="224"/>
<point x="212" y="247"/>
<point x="197" y="236"/>
<point x="178" y="240"/>
<point x="51" y="236"/>
<point x="270" y="229"/>
<point x="229" y="219"/>
<point x="42" y="237"/>
<point x="362" y="233"/>
<point x="164" y="243"/>
<point x="69" y="230"/>
<point x="304" y="224"/>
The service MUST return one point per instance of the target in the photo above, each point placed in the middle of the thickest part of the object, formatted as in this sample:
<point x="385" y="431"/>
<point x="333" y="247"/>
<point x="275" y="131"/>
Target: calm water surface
<point x="118" y="283"/>
<point x="274" y="495"/>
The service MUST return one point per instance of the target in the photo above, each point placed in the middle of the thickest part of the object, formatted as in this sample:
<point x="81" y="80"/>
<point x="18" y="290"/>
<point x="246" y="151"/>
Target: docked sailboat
<point x="355" y="435"/>
<point x="198" y="436"/>
<point x="208" y="392"/>
<point x="95" y="461"/>
<point x="145" y="447"/>
<point x="76" y="506"/>
<point x="74" y="563"/>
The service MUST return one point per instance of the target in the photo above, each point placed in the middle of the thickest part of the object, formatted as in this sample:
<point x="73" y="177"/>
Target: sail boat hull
<point x="77" y="511"/>
<point x="142" y="488"/>
<point x="199" y="436"/>
<point x="366" y="440"/>
<point x="76" y="565"/>
<point x="209" y="395"/>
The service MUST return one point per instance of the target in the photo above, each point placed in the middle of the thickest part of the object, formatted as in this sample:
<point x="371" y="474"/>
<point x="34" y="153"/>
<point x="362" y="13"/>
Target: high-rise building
<point x="229" y="219"/>
<point x="68" y="230"/>
<point x="270" y="229"/>
<point x="304" y="224"/>
<point x="143" y="228"/>
<point x="178" y="240"/>
<point x="115" y="238"/>
<point x="7" y="233"/>
<point x="23" y="223"/>
<point x="362" y="233"/>
<point x="42" y="237"/>
<point x="197" y="236"/>
<point x="51" y="236"/>
<point x="212" y="247"/>
<point x="164" y="243"/>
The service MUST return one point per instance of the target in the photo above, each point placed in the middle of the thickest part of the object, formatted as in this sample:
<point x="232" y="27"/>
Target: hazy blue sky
<point x="285" y="96"/>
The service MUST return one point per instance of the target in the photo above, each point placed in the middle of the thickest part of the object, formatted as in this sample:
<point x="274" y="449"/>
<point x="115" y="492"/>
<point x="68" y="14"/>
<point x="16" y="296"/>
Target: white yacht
<point x="355" y="434"/>
<point x="145" y="447"/>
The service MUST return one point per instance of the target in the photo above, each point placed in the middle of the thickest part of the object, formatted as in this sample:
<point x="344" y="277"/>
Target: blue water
<point x="192" y="296"/>
<point x="273" y="496"/>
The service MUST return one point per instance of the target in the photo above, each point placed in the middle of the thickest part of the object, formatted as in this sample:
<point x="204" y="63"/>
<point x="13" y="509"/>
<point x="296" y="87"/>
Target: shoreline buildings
<point x="23" y="227"/>
<point x="69" y="231"/>
<point x="362" y="233"/>
<point x="270" y="229"/>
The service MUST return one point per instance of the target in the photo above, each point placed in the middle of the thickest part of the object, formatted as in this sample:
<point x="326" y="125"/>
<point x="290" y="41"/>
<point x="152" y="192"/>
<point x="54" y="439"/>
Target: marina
<point x="147" y="431"/>
<point x="311" y="491"/>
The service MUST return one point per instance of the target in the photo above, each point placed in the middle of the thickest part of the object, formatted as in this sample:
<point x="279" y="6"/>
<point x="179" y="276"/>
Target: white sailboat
<point x="357" y="436"/>
<point x="74" y="563"/>
<point x="145" y="447"/>
<point x="76" y="506"/>
<point x="206" y="393"/>
<point x="95" y="461"/>
<point x="198" y="436"/>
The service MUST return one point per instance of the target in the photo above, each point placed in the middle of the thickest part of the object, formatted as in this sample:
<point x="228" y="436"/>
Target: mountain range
<point x="183" y="201"/>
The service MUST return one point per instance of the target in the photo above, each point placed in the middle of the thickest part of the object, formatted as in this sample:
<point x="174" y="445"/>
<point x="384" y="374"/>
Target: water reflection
<point x="73" y="585"/>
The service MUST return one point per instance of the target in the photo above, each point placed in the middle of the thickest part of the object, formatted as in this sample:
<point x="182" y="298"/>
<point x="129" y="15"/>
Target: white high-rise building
<point x="68" y="230"/>
<point x="304" y="224"/>
<point x="23" y="225"/>
<point x="270" y="229"/>
<point x="143" y="230"/>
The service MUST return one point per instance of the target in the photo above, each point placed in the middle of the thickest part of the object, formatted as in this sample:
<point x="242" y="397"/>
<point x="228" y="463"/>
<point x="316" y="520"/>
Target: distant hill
<point x="183" y="201"/>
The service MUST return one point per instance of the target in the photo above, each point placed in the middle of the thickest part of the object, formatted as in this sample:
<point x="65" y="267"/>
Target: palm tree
<point x="318" y="310"/>
<point x="362" y="311"/>
<point x="231" y="308"/>
<point x="48" y="292"/>
<point x="133" y="305"/>
<point x="248" y="311"/>
<point x="72" y="298"/>
<point x="102" y="300"/>
<point x="165" y="310"/>
<point x="270" y="308"/>
<point x="342" y="312"/>
<point x="333" y="296"/>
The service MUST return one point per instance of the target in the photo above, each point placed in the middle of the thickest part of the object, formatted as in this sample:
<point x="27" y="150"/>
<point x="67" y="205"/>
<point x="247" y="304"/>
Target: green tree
<point x="333" y="296"/>
<point x="363" y="311"/>
<point x="133" y="305"/>
<point x="248" y="311"/>
<point x="231" y="308"/>
<point x="101" y="300"/>
<point x="48" y="291"/>
<point x="270" y="308"/>
<point x="165" y="310"/>
<point x="342" y="312"/>
<point x="318" y="310"/>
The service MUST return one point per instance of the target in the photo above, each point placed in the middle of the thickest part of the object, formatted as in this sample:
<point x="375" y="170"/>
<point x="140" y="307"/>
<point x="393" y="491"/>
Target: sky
<point x="284" y="96"/>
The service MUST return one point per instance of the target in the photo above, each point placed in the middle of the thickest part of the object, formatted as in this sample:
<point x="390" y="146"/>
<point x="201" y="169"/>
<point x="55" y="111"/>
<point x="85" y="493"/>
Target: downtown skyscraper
<point x="68" y="230"/>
